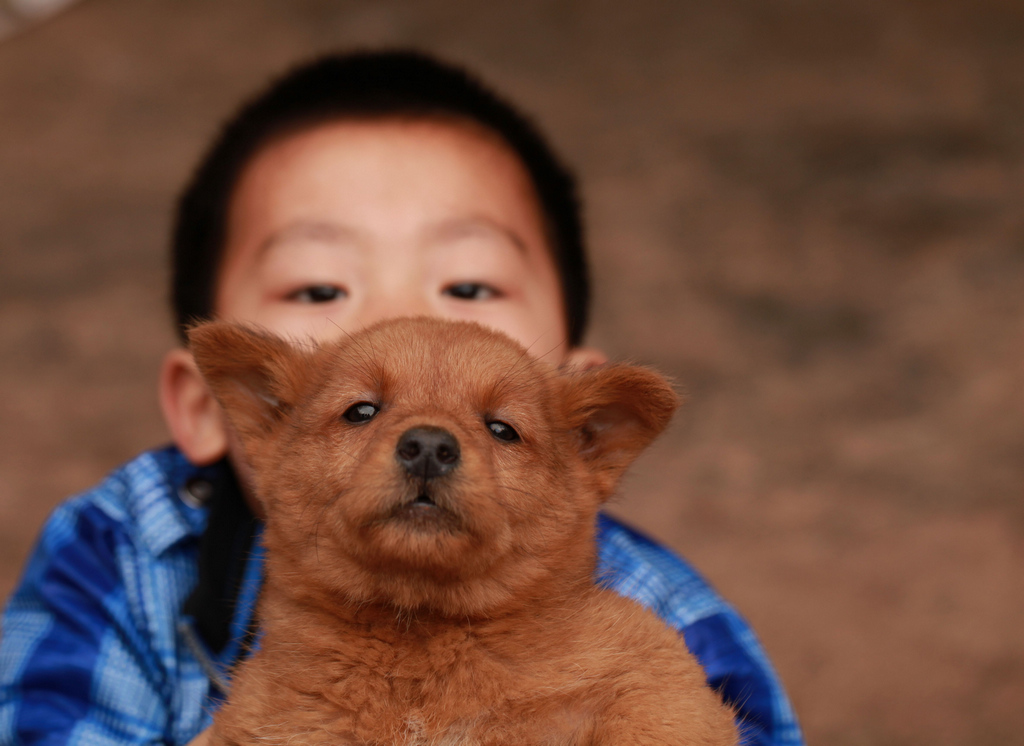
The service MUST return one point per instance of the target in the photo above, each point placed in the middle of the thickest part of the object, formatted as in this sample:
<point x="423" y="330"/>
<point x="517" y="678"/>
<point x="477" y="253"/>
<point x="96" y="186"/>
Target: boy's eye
<point x="470" y="291"/>
<point x="317" y="294"/>
<point x="502" y="431"/>
<point x="362" y="412"/>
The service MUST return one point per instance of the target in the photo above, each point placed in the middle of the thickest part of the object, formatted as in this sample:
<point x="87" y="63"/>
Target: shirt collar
<point x="163" y="518"/>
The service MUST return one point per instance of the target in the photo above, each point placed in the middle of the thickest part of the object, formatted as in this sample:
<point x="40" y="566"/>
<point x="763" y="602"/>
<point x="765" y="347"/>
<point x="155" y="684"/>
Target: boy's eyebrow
<point x="329" y="232"/>
<point x="309" y="229"/>
<point x="476" y="224"/>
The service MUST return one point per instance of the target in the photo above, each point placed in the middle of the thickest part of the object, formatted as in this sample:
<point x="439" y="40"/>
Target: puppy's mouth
<point x="425" y="512"/>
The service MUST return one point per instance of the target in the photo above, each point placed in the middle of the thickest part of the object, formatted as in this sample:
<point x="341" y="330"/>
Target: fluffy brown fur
<point x="404" y="606"/>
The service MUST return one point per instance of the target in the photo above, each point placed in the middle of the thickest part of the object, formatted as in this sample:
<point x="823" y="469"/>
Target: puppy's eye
<point x="471" y="291"/>
<point x="362" y="412"/>
<point x="501" y="431"/>
<point x="318" y="294"/>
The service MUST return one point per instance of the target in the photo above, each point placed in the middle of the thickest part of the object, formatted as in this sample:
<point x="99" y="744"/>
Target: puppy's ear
<point x="256" y="376"/>
<point x="615" y="412"/>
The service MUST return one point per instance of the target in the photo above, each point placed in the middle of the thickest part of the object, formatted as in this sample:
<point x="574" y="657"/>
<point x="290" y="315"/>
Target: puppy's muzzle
<point x="427" y="452"/>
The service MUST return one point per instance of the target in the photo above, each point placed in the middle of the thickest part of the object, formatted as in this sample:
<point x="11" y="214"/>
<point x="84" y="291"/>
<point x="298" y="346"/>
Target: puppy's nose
<point x="428" y="452"/>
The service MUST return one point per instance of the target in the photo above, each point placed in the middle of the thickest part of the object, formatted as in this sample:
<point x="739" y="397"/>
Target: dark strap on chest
<point x="223" y="550"/>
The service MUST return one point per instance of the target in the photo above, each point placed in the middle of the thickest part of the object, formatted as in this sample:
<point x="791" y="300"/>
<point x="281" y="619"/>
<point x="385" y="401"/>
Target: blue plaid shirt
<point x="96" y="650"/>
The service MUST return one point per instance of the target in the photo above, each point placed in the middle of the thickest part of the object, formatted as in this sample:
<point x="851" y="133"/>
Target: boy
<point x="356" y="188"/>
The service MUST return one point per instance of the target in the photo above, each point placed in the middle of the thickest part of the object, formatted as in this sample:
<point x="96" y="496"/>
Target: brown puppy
<point x="430" y="494"/>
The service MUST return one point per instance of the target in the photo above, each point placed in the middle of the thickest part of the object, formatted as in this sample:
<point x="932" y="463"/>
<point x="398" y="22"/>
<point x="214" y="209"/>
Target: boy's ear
<point x="584" y="358"/>
<point x="256" y="376"/>
<point x="192" y="414"/>
<point x="615" y="413"/>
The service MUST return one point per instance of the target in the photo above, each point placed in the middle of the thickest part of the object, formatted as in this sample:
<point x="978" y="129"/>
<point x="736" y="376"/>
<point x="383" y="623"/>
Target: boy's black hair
<point x="366" y="85"/>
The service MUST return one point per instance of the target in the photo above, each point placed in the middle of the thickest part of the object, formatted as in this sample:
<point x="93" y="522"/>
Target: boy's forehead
<point x="350" y="171"/>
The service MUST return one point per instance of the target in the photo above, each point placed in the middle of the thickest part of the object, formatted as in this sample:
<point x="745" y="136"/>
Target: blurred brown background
<point x="811" y="213"/>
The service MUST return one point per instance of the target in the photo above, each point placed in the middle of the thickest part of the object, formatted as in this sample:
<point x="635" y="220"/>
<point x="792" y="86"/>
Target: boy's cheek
<point x="543" y="336"/>
<point x="292" y="319"/>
